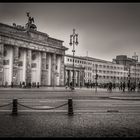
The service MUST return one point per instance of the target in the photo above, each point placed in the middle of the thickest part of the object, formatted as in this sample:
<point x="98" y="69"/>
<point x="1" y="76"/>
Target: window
<point x="46" y="66"/>
<point x="100" y="71"/>
<point x="5" y="62"/>
<point x="33" y="65"/>
<point x="100" y="66"/>
<point x="34" y="55"/>
<point x="20" y="63"/>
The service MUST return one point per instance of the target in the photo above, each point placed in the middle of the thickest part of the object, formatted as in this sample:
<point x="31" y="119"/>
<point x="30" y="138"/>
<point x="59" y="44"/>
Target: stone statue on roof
<point x="30" y="24"/>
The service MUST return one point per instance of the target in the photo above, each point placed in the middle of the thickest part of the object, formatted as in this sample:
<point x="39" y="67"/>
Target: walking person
<point x="120" y="86"/>
<point x="123" y="86"/>
<point x="110" y="87"/>
<point x="128" y="86"/>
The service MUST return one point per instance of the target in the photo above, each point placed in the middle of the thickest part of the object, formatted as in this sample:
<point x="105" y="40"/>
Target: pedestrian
<point x="12" y="84"/>
<point x="23" y="84"/>
<point x="37" y="84"/>
<point x="120" y="86"/>
<point x="123" y="86"/>
<point x="110" y="87"/>
<point x="128" y="85"/>
<point x="138" y="86"/>
<point x="6" y="84"/>
<point x="20" y="84"/>
<point x="114" y="86"/>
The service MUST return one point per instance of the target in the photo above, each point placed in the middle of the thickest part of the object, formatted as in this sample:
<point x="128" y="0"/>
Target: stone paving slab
<point x="126" y="97"/>
<point x="61" y="125"/>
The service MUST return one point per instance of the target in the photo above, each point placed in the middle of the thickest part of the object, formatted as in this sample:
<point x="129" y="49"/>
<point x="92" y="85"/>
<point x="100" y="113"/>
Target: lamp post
<point x="73" y="41"/>
<point x="129" y="79"/>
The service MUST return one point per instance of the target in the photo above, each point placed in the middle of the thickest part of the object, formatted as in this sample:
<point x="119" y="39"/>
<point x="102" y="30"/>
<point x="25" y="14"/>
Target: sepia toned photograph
<point x="69" y="70"/>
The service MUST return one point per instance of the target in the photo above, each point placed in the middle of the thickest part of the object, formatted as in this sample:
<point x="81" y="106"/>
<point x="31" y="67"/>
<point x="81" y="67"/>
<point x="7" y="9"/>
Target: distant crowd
<point x="122" y="86"/>
<point x="22" y="85"/>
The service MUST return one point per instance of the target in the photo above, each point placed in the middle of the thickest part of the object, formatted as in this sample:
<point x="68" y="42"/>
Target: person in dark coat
<point x="123" y="86"/>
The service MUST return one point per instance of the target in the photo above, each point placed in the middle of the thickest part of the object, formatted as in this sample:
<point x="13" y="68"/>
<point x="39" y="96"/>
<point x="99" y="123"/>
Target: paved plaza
<point x="98" y="122"/>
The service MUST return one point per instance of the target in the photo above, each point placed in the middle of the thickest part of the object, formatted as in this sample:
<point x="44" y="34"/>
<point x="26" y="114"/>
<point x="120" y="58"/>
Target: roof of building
<point x="89" y="58"/>
<point x="18" y="31"/>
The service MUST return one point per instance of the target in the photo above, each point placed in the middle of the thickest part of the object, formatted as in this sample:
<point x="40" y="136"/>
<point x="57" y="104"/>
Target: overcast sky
<point x="105" y="29"/>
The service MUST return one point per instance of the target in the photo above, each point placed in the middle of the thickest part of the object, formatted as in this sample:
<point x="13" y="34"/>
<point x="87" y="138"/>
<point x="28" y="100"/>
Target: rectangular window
<point x="20" y="63"/>
<point x="5" y="62"/>
<point x="33" y="65"/>
<point x="46" y="66"/>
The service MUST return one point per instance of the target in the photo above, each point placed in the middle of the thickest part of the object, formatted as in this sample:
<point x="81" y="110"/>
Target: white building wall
<point x="8" y="69"/>
<point x="49" y="68"/>
<point x="58" y="63"/>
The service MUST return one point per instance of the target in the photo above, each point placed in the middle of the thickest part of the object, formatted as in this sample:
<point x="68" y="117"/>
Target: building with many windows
<point x="105" y="71"/>
<point x="30" y="56"/>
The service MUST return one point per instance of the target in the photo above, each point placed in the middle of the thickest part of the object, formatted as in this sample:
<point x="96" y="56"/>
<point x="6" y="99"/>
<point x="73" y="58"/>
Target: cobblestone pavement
<point x="62" y="125"/>
<point x="59" y="124"/>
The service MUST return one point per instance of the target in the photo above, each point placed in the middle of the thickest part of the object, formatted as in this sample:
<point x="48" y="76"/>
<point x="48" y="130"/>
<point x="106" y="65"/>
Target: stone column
<point x="28" y="66"/>
<point x="49" y="63"/>
<point x="58" y="69"/>
<point x="15" y="65"/>
<point x="78" y="79"/>
<point x="62" y="71"/>
<point x="44" y="67"/>
<point x="82" y="77"/>
<point x="70" y="74"/>
<point x="75" y="74"/>
<point x="24" y="64"/>
<point x="39" y="66"/>
<point x="68" y="77"/>
<point x="53" y="77"/>
<point x="1" y="63"/>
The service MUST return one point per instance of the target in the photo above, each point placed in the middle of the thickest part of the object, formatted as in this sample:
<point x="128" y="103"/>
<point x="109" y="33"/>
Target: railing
<point x="15" y="104"/>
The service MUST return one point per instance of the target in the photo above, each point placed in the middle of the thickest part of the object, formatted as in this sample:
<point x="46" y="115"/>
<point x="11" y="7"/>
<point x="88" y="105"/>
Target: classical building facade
<point x="30" y="56"/>
<point x="106" y="71"/>
<point x="79" y="71"/>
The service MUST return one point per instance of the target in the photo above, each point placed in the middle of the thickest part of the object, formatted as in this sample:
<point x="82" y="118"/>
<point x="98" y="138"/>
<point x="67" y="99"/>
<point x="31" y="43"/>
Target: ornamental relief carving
<point x="5" y="52"/>
<point x="34" y="55"/>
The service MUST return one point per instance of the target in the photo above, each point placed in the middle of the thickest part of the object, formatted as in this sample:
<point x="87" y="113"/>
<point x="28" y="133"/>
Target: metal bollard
<point x="70" y="107"/>
<point x="15" y="107"/>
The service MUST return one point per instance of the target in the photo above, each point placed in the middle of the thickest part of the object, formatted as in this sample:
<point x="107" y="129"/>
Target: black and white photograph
<point x="69" y="70"/>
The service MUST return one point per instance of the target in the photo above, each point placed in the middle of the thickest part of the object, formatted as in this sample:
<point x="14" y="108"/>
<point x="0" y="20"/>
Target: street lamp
<point x="73" y="41"/>
<point x="129" y="79"/>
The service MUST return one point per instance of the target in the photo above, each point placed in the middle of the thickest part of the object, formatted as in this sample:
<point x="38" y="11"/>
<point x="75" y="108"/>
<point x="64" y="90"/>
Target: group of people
<point x="23" y="85"/>
<point x="29" y="84"/>
<point x="123" y="86"/>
